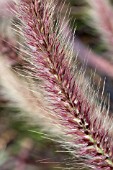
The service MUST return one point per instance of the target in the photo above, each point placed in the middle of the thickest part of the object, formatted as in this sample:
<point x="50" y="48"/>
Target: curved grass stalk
<point x="70" y="97"/>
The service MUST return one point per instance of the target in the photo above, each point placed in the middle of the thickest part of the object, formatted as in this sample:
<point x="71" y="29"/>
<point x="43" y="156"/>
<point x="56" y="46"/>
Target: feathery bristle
<point x="69" y="96"/>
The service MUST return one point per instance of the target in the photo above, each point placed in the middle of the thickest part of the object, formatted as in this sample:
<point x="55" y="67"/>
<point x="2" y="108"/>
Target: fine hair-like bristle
<point x="69" y="95"/>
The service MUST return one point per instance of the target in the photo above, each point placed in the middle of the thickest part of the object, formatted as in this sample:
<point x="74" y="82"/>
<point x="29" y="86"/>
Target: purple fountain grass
<point x="102" y="15"/>
<point x="20" y="95"/>
<point x="94" y="60"/>
<point x="8" y="40"/>
<point x="5" y="6"/>
<point x="9" y="49"/>
<point x="70" y="97"/>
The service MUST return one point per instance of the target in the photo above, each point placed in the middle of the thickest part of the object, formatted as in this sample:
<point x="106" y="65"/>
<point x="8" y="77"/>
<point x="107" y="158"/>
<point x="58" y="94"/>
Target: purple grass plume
<point x="102" y="15"/>
<point x="7" y="49"/>
<point x="70" y="97"/>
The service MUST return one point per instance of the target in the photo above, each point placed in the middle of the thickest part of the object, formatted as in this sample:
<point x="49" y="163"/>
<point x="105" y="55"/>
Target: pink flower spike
<point x="83" y="119"/>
